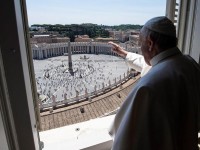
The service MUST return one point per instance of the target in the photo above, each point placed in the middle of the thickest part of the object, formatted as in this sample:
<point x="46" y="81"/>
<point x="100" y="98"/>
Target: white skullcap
<point x="161" y="25"/>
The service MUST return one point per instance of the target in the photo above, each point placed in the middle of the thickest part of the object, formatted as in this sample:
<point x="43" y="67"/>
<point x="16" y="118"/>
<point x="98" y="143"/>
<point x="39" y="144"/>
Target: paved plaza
<point x="91" y="73"/>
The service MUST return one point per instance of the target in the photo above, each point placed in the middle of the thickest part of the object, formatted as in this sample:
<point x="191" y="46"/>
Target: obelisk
<point x="70" y="58"/>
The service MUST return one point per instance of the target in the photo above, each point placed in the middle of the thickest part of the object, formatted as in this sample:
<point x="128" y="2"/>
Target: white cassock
<point x="137" y="62"/>
<point x="162" y="111"/>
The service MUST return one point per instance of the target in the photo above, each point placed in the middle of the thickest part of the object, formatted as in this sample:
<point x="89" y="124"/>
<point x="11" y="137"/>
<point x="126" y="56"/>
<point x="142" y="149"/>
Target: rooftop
<point x="97" y="107"/>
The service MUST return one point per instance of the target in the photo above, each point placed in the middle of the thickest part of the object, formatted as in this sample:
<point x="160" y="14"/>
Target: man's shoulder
<point x="154" y="76"/>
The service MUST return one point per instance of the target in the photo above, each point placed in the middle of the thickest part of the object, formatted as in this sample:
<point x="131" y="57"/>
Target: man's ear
<point x="150" y="43"/>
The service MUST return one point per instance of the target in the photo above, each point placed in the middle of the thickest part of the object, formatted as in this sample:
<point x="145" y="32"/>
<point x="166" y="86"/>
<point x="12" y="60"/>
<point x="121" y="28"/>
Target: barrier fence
<point x="53" y="104"/>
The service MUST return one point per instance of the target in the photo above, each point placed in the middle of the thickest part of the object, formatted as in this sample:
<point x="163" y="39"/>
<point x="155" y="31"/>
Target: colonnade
<point x="42" y="51"/>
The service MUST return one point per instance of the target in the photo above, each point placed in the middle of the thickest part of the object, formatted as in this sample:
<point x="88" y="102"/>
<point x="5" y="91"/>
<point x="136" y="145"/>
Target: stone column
<point x="127" y="72"/>
<point x="70" y="58"/>
<point x="41" y="54"/>
<point x="77" y="93"/>
<point x="37" y="52"/>
<point x="92" y="48"/>
<point x="65" y="96"/>
<point x="103" y="86"/>
<point x="88" y="49"/>
<point x="86" y="92"/>
<point x="109" y="83"/>
<point x="95" y="89"/>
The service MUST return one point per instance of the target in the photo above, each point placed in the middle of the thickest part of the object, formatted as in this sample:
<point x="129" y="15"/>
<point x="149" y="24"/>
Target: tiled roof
<point x="97" y="107"/>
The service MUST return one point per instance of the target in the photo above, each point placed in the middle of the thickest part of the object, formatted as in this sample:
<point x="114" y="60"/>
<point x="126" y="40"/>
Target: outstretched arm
<point x="120" y="51"/>
<point x="135" y="61"/>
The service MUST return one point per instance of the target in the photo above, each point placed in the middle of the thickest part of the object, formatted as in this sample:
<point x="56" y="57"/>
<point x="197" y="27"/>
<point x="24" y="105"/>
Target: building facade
<point x="48" y="39"/>
<point x="43" y="50"/>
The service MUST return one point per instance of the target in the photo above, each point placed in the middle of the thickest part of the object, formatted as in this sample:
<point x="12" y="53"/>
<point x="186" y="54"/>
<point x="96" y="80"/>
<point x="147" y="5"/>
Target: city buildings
<point x="18" y="117"/>
<point x="44" y="50"/>
<point x="46" y="38"/>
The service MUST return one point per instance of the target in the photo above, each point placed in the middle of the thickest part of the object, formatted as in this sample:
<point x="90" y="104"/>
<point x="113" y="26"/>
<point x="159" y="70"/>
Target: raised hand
<point x="119" y="50"/>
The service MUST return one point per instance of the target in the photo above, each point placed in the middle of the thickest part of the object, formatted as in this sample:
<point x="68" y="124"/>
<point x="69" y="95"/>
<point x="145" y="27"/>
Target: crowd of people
<point x="89" y="75"/>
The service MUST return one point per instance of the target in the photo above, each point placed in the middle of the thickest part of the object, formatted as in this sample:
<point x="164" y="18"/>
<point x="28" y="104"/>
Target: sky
<point x="105" y="12"/>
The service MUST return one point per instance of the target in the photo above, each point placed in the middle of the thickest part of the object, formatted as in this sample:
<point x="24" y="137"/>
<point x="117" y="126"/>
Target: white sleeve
<point x="137" y="62"/>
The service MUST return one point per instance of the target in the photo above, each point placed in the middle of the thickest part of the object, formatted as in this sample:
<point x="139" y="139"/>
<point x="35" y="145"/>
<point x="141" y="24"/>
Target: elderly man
<point x="162" y="111"/>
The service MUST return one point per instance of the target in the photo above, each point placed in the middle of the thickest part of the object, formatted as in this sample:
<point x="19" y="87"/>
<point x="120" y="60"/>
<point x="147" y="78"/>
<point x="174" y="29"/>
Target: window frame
<point x="18" y="96"/>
